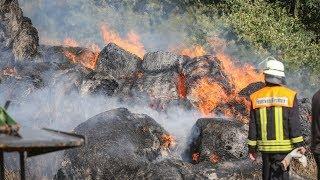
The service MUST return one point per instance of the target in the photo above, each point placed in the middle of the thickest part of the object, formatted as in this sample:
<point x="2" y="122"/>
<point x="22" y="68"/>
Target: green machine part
<point x="5" y="119"/>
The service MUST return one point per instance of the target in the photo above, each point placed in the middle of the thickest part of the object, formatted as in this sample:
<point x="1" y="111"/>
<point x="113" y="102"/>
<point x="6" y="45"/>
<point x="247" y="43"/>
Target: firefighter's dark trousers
<point x="271" y="166"/>
<point x="317" y="159"/>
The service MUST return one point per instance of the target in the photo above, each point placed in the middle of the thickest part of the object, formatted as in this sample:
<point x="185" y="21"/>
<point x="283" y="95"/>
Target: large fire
<point x="131" y="43"/>
<point x="192" y="52"/>
<point x="208" y="94"/>
<point x="89" y="58"/>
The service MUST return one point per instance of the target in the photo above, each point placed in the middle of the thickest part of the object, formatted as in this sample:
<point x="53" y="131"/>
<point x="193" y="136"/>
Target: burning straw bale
<point x="205" y="66"/>
<point x="250" y="89"/>
<point x="160" y="87"/>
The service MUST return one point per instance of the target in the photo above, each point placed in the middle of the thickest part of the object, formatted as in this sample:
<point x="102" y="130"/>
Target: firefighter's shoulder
<point x="273" y="96"/>
<point x="274" y="90"/>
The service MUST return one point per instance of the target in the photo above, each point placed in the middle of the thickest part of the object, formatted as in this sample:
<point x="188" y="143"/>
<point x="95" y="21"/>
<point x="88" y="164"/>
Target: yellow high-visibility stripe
<point x="280" y="123"/>
<point x="274" y="143"/>
<point x="263" y="122"/>
<point x="252" y="143"/>
<point x="297" y="139"/>
<point x="276" y="122"/>
<point x="275" y="148"/>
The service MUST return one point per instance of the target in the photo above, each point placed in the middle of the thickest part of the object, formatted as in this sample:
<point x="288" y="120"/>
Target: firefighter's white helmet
<point x="274" y="67"/>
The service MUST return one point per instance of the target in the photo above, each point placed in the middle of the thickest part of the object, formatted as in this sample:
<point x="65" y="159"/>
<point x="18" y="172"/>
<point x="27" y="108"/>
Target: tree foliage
<point x="287" y="29"/>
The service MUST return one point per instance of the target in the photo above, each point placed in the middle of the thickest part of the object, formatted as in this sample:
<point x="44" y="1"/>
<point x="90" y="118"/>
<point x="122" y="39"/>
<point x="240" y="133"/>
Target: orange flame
<point x="242" y="76"/>
<point x="70" y="42"/>
<point x="192" y="52"/>
<point x="168" y="141"/>
<point x="209" y="94"/>
<point x="131" y="43"/>
<point x="214" y="158"/>
<point x="88" y="57"/>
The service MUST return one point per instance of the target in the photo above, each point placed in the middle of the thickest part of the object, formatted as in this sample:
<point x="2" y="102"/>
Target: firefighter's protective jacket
<point x="274" y="120"/>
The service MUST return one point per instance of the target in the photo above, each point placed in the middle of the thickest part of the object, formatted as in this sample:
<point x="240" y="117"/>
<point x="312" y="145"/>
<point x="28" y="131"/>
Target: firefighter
<point x="315" y="143"/>
<point x="274" y="127"/>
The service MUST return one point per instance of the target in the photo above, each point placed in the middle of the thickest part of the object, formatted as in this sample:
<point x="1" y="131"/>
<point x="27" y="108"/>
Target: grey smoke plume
<point x="81" y="20"/>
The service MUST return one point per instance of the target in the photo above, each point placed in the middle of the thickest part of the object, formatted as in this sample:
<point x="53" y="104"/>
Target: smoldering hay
<point x="68" y="87"/>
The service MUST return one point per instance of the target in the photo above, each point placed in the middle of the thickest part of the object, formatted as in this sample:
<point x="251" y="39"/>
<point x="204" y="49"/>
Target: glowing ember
<point x="214" y="158"/>
<point x="131" y="43"/>
<point x="168" y="141"/>
<point x="195" y="157"/>
<point x="181" y="86"/>
<point x="88" y="57"/>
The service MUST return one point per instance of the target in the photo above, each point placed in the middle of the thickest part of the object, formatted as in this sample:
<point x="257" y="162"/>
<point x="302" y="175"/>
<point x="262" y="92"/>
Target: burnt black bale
<point x="117" y="62"/>
<point x="123" y="145"/>
<point x="250" y="89"/>
<point x="305" y="119"/>
<point x="117" y="69"/>
<point x="160" y="77"/>
<point x="225" y="139"/>
<point x="24" y="78"/>
<point x="157" y="62"/>
<point x="221" y="143"/>
<point x="176" y="169"/>
<point x="97" y="84"/>
<point x="17" y="34"/>
<point x="118" y="144"/>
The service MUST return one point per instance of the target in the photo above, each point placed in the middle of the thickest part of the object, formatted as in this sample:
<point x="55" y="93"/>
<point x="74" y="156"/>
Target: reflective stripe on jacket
<point x="274" y="120"/>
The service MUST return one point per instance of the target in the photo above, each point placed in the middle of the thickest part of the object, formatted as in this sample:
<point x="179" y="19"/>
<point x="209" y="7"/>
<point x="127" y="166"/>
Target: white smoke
<point x="52" y="107"/>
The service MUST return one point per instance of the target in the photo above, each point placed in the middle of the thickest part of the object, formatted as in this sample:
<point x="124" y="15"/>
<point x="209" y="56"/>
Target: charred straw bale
<point x="118" y="144"/>
<point x="16" y="31"/>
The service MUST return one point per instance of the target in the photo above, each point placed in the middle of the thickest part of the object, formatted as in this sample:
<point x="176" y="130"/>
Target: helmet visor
<point x="275" y="79"/>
